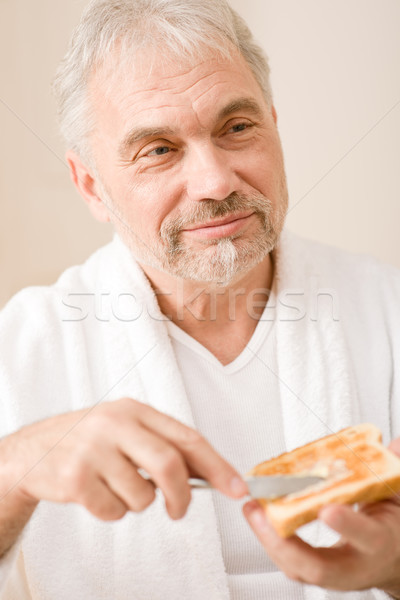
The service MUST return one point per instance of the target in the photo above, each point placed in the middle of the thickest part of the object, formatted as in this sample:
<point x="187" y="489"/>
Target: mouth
<point x="218" y="222"/>
<point x="219" y="227"/>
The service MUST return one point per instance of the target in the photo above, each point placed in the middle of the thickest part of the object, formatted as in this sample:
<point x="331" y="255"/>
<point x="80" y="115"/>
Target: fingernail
<point x="257" y="519"/>
<point x="238" y="487"/>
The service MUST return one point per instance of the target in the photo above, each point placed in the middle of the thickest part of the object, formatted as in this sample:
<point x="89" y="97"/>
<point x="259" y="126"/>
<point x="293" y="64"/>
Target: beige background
<point x="335" y="73"/>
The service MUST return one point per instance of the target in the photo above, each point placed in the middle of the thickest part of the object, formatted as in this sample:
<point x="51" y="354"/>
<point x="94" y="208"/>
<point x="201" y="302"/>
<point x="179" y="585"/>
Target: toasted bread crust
<point x="358" y="469"/>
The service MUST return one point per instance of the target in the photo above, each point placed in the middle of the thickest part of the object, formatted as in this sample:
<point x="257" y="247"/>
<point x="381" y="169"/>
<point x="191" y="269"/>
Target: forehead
<point x="173" y="91"/>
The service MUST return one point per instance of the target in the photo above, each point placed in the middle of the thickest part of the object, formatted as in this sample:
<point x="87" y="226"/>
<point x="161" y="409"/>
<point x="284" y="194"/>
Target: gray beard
<point x="222" y="259"/>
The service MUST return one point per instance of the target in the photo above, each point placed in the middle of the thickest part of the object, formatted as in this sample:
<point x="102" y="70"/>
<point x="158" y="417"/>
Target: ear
<point x="85" y="183"/>
<point x="274" y="114"/>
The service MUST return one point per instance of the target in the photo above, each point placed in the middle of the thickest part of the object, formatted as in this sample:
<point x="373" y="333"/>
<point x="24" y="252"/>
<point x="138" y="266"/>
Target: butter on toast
<point x="355" y="465"/>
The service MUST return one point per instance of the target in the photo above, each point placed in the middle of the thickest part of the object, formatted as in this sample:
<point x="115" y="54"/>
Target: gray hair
<point x="184" y="28"/>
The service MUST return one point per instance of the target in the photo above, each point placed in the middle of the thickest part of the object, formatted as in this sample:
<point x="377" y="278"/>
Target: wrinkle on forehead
<point x="207" y="91"/>
<point x="147" y="64"/>
<point x="186" y="90"/>
<point x="176" y="92"/>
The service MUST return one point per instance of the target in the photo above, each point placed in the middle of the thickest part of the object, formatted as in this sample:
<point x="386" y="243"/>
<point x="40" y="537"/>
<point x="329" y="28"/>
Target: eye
<point x="159" y="151"/>
<point x="239" y="127"/>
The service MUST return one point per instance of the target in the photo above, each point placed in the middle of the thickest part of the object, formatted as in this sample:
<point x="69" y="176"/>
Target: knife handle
<point x="197" y="483"/>
<point x="194" y="482"/>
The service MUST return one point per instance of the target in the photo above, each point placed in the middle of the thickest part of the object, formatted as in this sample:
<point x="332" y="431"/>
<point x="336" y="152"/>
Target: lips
<point x="219" y="222"/>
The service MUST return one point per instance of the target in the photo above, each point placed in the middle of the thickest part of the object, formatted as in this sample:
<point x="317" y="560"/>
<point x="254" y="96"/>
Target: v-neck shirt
<point x="237" y="409"/>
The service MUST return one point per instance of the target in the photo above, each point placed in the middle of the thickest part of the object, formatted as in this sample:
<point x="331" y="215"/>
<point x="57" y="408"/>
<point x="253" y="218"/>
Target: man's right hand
<point x="91" y="457"/>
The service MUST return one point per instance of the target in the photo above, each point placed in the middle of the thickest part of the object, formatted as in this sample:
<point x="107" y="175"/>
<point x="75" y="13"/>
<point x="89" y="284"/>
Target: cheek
<point x="260" y="173"/>
<point x="268" y="169"/>
<point x="145" y="205"/>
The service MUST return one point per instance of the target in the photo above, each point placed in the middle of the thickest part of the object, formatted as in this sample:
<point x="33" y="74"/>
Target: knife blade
<point x="268" y="486"/>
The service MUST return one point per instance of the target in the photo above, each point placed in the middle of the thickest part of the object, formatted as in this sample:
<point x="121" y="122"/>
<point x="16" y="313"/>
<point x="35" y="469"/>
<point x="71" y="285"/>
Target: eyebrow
<point x="141" y="133"/>
<point x="138" y="134"/>
<point x="247" y="104"/>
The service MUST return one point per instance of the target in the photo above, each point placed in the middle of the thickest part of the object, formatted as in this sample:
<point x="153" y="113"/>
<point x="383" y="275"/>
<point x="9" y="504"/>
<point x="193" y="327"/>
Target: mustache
<point x="211" y="209"/>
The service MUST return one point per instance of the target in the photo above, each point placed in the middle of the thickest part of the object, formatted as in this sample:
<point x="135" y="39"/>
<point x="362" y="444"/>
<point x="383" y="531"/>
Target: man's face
<point x="191" y="165"/>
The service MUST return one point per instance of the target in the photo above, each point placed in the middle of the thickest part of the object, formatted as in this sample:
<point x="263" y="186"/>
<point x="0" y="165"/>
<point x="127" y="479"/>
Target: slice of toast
<point x="356" y="468"/>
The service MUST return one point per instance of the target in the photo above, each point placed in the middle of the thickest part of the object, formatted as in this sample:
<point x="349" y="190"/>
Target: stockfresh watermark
<point x="311" y="302"/>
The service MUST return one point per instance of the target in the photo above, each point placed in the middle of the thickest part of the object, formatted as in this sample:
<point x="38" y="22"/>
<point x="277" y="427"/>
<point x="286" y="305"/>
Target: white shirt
<point x="237" y="408"/>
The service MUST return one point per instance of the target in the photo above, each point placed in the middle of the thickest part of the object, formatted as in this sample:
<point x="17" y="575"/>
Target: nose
<point x="210" y="174"/>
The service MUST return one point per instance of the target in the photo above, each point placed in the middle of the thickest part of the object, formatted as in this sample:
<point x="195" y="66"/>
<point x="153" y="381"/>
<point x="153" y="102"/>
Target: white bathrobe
<point x="98" y="335"/>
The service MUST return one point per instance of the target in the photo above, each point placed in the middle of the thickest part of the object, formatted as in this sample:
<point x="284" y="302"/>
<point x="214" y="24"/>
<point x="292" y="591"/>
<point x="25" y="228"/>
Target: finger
<point x="198" y="453"/>
<point x="123" y="479"/>
<point x="335" y="568"/>
<point x="356" y="528"/>
<point x="292" y="555"/>
<point x="101" y="501"/>
<point x="164" y="464"/>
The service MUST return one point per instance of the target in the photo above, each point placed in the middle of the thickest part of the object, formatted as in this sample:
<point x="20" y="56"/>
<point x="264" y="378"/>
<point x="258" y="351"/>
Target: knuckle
<point x="113" y="513"/>
<point x="143" y="500"/>
<point x="178" y="512"/>
<point x="74" y="476"/>
<point x="100" y="420"/>
<point x="191" y="437"/>
<point x="129" y="403"/>
<point x="178" y="507"/>
<point x="106" y="510"/>
<point x="111" y="410"/>
<point x="117" y="412"/>
<point x="169" y="462"/>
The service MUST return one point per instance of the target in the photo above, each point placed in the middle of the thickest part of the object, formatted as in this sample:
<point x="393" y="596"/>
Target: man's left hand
<point x="367" y="555"/>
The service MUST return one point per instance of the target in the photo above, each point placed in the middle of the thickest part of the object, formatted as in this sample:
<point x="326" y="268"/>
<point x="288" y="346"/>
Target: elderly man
<point x="202" y="337"/>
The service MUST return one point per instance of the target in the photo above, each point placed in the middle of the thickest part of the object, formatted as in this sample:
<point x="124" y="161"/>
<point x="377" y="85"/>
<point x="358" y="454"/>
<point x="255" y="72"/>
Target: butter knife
<point x="268" y="486"/>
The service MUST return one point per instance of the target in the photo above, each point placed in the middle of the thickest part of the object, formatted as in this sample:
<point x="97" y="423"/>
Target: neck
<point x="209" y="312"/>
